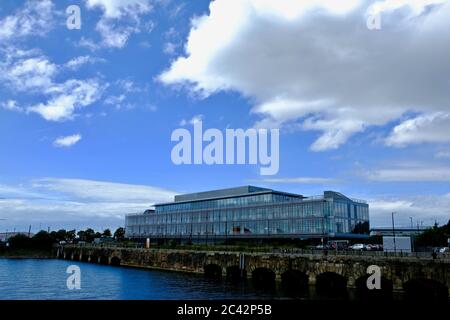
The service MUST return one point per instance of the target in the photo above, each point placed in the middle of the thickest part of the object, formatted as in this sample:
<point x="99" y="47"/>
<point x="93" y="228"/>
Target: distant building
<point x="252" y="212"/>
<point x="399" y="232"/>
<point x="4" y="236"/>
<point x="103" y="240"/>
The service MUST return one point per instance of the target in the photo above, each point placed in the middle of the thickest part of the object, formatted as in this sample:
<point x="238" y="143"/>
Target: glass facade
<point x="254" y="213"/>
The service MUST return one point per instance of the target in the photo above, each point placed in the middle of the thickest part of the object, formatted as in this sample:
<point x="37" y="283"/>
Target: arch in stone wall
<point x="421" y="289"/>
<point x="263" y="278"/>
<point x="364" y="293"/>
<point x="235" y="274"/>
<point x="103" y="260"/>
<point x="213" y="271"/>
<point x="295" y="283"/>
<point x="331" y="284"/>
<point x="115" y="261"/>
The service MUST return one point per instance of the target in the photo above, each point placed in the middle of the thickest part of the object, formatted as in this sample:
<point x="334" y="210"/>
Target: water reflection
<point x="46" y="279"/>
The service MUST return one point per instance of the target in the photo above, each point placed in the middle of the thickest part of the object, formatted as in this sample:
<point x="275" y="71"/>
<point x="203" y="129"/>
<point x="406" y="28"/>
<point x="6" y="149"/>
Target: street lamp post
<point x="393" y="232"/>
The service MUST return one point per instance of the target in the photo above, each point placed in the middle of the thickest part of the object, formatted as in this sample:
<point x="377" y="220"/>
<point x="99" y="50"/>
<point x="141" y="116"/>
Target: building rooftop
<point x="251" y="190"/>
<point x="228" y="192"/>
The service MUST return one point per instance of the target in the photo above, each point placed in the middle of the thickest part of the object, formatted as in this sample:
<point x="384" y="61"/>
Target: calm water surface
<point x="46" y="279"/>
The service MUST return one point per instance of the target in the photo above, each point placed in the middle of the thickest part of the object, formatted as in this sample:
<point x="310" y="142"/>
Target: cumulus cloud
<point x="35" y="18"/>
<point x="29" y="71"/>
<point x="28" y="74"/>
<point x="315" y="64"/>
<point x="67" y="141"/>
<point x="432" y="127"/>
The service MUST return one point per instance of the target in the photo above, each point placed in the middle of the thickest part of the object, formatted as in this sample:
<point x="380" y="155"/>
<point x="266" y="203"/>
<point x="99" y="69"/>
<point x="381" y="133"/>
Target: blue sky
<point x="86" y="115"/>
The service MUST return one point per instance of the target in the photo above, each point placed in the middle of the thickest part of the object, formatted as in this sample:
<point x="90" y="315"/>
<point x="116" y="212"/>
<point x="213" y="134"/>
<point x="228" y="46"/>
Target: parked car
<point x="374" y="247"/>
<point x="322" y="247"/>
<point x="443" y="250"/>
<point x="357" y="246"/>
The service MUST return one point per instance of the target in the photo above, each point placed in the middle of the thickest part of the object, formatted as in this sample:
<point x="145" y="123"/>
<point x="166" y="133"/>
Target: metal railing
<point x="271" y="250"/>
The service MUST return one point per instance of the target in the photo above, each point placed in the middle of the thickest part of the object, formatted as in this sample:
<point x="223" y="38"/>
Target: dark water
<point x="32" y="279"/>
<point x="46" y="279"/>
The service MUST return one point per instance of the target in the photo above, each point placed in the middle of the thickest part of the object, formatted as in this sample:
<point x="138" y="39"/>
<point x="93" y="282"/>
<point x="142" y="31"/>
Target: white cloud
<point x="119" y="8"/>
<point x="10" y="105"/>
<point x="35" y="18"/>
<point x="120" y="19"/>
<point x="443" y="154"/>
<point x="129" y="86"/>
<point x="413" y="173"/>
<point x="317" y="65"/>
<point x="195" y="119"/>
<point x="432" y="127"/>
<point x="30" y="73"/>
<point x="69" y="203"/>
<point x="300" y="180"/>
<point x="120" y="101"/>
<point x="115" y="100"/>
<point x="113" y="36"/>
<point x="170" y="48"/>
<point x="67" y="98"/>
<point x="426" y="209"/>
<point x="67" y="141"/>
<point x="77" y="62"/>
<point x="104" y="191"/>
<point x="177" y="10"/>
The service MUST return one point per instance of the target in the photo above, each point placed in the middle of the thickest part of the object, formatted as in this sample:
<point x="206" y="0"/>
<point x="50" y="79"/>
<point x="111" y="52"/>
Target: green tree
<point x="70" y="235"/>
<point x="434" y="237"/>
<point x="43" y="240"/>
<point x="88" y="235"/>
<point x="119" y="234"/>
<point x="59" y="235"/>
<point x="107" y="233"/>
<point x="20" y="241"/>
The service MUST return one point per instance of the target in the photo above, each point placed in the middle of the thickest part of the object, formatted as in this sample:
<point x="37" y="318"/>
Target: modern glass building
<point x="252" y="212"/>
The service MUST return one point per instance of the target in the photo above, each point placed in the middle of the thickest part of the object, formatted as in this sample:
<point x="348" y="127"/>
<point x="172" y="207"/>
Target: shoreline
<point x="26" y="254"/>
<point x="26" y="257"/>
